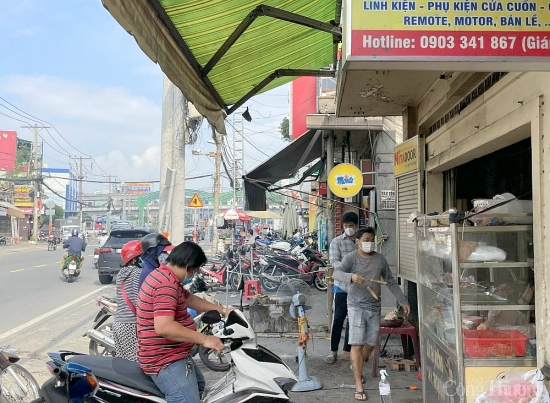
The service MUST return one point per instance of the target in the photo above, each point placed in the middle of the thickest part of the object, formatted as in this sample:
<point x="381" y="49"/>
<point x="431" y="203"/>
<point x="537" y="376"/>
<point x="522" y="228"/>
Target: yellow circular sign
<point x="345" y="180"/>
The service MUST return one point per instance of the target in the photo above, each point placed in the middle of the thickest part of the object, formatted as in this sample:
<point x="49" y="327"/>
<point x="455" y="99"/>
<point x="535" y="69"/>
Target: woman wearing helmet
<point x="155" y="248"/>
<point x="127" y="288"/>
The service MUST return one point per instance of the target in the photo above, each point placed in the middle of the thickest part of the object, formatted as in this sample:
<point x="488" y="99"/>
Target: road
<point x="31" y="284"/>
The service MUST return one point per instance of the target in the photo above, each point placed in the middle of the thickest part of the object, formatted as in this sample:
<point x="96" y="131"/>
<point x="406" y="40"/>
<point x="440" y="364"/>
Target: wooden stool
<point x="406" y="329"/>
<point x="251" y="288"/>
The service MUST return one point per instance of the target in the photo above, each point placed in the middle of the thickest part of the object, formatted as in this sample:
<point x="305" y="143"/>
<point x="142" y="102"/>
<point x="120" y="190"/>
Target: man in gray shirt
<point x="362" y="271"/>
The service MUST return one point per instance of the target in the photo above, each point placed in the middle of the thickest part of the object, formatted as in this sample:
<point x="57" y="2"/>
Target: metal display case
<point x="475" y="290"/>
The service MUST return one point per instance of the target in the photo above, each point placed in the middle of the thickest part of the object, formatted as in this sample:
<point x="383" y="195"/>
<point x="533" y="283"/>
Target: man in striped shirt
<point x="166" y="331"/>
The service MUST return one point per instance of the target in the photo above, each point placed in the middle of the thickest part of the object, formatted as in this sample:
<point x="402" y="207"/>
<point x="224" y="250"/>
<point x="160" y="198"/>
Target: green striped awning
<point x="221" y="52"/>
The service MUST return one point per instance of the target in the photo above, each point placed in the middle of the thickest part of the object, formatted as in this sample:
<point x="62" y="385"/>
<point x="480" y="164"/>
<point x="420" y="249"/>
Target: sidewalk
<point x="337" y="379"/>
<point x="22" y="247"/>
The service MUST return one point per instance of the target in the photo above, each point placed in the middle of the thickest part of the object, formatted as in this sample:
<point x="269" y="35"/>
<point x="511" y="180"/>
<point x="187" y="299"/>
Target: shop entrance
<point x="506" y="170"/>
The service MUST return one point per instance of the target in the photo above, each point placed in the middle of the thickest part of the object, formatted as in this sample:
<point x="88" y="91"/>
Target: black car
<point x="109" y="259"/>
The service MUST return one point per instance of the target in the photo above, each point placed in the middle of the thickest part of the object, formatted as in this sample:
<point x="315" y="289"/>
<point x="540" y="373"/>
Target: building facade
<point x="61" y="186"/>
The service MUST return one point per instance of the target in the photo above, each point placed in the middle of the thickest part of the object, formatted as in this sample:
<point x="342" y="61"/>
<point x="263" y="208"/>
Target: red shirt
<point x="161" y="294"/>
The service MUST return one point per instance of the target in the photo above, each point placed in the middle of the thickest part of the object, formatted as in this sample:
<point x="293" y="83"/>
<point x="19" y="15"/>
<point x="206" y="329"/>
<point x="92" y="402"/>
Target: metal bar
<point x="273" y="12"/>
<point x="306" y="152"/>
<point x="288" y="16"/>
<point x="273" y="76"/>
<point x="230" y="41"/>
<point x="182" y="45"/>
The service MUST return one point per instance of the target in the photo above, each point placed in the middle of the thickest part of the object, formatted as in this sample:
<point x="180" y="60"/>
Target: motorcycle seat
<point x="124" y="372"/>
<point x="284" y="260"/>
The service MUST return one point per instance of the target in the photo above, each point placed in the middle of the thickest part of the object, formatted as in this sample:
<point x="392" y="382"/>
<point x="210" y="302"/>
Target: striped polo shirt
<point x="161" y="294"/>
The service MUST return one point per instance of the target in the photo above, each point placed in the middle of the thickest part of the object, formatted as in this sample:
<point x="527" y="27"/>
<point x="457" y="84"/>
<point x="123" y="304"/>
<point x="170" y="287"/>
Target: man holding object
<point x="359" y="269"/>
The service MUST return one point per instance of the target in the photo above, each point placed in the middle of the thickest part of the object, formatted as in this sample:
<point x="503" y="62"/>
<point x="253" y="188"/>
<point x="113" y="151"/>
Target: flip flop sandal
<point x="331" y="359"/>
<point x="362" y="395"/>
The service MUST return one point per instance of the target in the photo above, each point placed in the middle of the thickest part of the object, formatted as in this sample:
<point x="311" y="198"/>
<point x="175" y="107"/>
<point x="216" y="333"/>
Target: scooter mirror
<point x="211" y="317"/>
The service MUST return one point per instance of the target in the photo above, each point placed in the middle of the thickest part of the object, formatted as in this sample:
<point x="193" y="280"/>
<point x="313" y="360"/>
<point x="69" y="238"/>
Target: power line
<point x="13" y="118"/>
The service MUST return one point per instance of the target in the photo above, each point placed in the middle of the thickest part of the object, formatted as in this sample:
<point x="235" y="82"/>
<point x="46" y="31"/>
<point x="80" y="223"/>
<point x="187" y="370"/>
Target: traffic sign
<point x="50" y="203"/>
<point x="195" y="201"/>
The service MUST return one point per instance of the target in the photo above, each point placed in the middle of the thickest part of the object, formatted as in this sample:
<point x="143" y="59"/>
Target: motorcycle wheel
<point x="95" y="348"/>
<point x="320" y="282"/>
<point x="70" y="278"/>
<point x="269" y="285"/>
<point x="212" y="361"/>
<point x="11" y="380"/>
<point x="3" y="242"/>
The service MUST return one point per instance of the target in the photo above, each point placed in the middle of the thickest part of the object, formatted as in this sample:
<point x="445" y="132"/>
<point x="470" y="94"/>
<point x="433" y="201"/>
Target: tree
<point x="59" y="213"/>
<point x="283" y="127"/>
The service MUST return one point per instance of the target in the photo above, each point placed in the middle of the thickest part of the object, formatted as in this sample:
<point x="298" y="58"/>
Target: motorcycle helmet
<point x="74" y="232"/>
<point x="299" y="240"/>
<point x="130" y="251"/>
<point x="153" y="240"/>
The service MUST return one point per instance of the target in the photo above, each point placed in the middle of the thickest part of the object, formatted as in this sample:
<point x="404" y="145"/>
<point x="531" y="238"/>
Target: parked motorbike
<point x="303" y="263"/>
<point x="256" y="374"/>
<point x="3" y="240"/>
<point x="71" y="268"/>
<point x="52" y="242"/>
<point x="102" y="342"/>
<point x="16" y="383"/>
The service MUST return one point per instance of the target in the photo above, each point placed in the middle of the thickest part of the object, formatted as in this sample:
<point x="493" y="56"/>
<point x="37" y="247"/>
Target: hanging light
<point x="246" y="116"/>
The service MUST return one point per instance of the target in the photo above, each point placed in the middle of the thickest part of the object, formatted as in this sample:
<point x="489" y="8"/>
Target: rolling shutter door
<point x="407" y="202"/>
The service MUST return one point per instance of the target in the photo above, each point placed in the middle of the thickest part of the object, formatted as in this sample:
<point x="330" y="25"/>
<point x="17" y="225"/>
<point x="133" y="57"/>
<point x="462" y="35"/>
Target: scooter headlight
<point x="286" y="384"/>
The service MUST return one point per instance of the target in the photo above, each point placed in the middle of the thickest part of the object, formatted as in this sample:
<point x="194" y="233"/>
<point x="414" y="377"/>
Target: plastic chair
<point x="251" y="288"/>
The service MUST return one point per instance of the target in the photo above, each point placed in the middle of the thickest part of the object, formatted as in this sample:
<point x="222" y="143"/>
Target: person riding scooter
<point x="75" y="246"/>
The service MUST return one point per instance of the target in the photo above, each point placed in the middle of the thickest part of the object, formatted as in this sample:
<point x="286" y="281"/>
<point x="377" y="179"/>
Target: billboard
<point x="136" y="188"/>
<point x="303" y="101"/>
<point x="22" y="196"/>
<point x="478" y="30"/>
<point x="8" y="146"/>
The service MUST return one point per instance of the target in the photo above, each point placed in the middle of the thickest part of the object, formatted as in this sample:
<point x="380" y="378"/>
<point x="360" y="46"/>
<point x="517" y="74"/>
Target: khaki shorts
<point x="364" y="326"/>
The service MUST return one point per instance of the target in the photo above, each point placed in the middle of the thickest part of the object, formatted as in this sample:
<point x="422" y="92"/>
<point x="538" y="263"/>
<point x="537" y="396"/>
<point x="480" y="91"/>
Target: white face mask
<point x="367" y="247"/>
<point x="350" y="231"/>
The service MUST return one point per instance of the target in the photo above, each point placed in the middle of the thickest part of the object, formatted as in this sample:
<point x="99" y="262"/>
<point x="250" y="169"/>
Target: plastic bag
<point x="515" y="386"/>
<point x="485" y="253"/>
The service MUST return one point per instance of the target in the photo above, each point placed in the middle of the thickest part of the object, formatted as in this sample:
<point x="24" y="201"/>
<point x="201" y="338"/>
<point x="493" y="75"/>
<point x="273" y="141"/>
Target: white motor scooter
<point x="256" y="374"/>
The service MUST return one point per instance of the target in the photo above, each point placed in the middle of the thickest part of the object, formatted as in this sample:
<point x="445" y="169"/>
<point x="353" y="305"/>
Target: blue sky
<point x="68" y="62"/>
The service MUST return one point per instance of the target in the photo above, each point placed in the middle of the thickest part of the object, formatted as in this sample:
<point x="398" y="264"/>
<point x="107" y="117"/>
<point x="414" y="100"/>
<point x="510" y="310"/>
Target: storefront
<point x="494" y="147"/>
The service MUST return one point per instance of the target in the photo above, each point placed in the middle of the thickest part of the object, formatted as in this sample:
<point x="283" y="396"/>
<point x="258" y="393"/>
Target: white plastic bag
<point x="485" y="253"/>
<point x="517" y="387"/>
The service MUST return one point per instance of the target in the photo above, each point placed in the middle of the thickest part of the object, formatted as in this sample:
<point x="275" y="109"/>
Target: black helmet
<point x="153" y="240"/>
<point x="74" y="232"/>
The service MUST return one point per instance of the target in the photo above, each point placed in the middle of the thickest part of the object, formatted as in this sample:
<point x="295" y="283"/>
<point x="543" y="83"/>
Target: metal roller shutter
<point x="408" y="201"/>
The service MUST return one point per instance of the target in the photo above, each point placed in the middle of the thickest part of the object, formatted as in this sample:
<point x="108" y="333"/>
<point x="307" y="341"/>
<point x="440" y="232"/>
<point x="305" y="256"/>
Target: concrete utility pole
<point x="80" y="179"/>
<point x="172" y="166"/>
<point x="37" y="173"/>
<point x="217" y="188"/>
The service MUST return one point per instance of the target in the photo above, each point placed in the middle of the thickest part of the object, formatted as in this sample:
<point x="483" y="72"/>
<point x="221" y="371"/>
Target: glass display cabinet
<point x="476" y="305"/>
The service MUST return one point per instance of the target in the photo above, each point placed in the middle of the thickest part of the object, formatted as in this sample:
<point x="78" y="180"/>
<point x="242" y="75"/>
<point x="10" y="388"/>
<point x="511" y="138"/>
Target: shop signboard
<point x="345" y="180"/>
<point x="136" y="188"/>
<point x="8" y="145"/>
<point x="22" y="196"/>
<point x="26" y="210"/>
<point x="439" y="372"/>
<point x="445" y="31"/>
<point x="405" y="157"/>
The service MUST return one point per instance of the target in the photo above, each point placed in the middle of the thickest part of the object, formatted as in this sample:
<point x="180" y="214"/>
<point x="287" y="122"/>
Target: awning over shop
<point x="223" y="52"/>
<point x="283" y="165"/>
<point x="12" y="210"/>
<point x="265" y="215"/>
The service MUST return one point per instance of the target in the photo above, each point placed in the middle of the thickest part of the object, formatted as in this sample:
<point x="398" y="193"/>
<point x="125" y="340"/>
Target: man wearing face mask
<point x="340" y="247"/>
<point x="363" y="270"/>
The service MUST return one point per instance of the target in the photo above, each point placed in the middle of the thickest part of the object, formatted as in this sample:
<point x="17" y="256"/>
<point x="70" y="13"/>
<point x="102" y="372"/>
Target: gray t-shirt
<point x="374" y="267"/>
